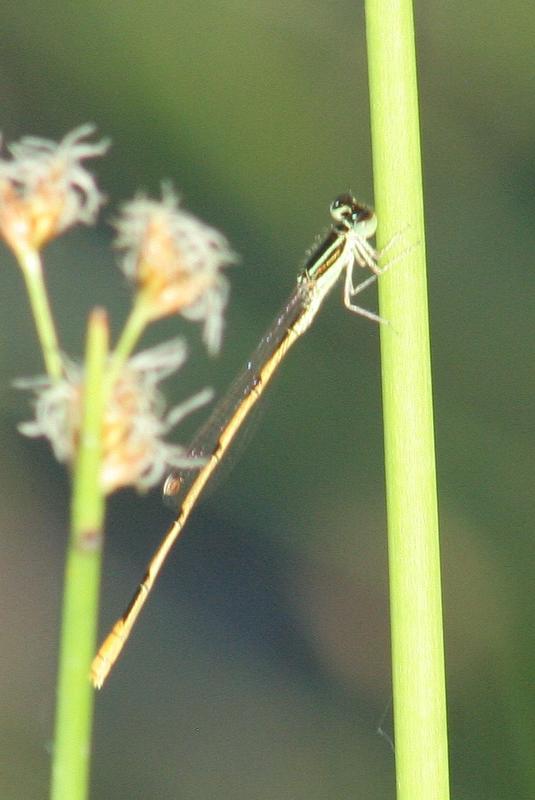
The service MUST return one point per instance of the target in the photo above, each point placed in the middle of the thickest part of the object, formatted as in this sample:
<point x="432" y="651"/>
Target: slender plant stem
<point x="414" y="560"/>
<point x="30" y="262"/>
<point x="74" y="710"/>
<point x="132" y="331"/>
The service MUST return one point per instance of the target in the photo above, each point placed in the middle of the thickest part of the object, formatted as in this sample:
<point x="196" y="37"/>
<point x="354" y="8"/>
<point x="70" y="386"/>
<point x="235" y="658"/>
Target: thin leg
<point x="390" y="244"/>
<point x="365" y="313"/>
<point x="395" y="238"/>
<point x="350" y="291"/>
<point x="368" y="258"/>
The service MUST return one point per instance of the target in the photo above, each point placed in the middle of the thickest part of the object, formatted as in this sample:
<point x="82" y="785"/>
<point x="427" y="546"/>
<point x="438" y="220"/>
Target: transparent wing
<point x="207" y="438"/>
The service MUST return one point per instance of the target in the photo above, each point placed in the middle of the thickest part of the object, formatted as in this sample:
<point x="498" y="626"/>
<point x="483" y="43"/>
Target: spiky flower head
<point x="175" y="260"/>
<point x="44" y="189"/>
<point x="135" y="419"/>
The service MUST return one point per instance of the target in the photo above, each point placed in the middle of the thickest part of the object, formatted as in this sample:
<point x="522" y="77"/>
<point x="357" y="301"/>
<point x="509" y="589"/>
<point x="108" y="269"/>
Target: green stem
<point x="74" y="710"/>
<point x="132" y="331"/>
<point x="30" y="262"/>
<point x="414" y="561"/>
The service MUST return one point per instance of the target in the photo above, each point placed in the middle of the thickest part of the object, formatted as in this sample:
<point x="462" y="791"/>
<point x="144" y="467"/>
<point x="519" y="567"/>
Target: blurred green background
<point x="261" y="668"/>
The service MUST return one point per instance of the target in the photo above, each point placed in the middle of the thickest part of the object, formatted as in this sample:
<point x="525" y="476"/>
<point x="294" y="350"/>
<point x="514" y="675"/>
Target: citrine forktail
<point x="345" y="246"/>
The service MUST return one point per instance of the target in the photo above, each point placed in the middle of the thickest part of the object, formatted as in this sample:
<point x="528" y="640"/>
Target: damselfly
<point x="345" y="248"/>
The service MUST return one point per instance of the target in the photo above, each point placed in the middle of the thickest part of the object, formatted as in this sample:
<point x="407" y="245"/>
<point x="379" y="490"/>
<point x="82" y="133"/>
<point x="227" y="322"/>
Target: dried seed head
<point x="175" y="261"/>
<point x="44" y="189"/>
<point x="134" y="452"/>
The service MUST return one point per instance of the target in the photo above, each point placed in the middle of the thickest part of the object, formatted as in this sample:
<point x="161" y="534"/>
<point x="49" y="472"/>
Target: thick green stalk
<point x="414" y="559"/>
<point x="74" y="711"/>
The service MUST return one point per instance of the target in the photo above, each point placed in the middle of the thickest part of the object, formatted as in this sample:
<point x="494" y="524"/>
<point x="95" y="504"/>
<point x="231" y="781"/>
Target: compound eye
<point x="364" y="221"/>
<point x="342" y="208"/>
<point x="362" y="214"/>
